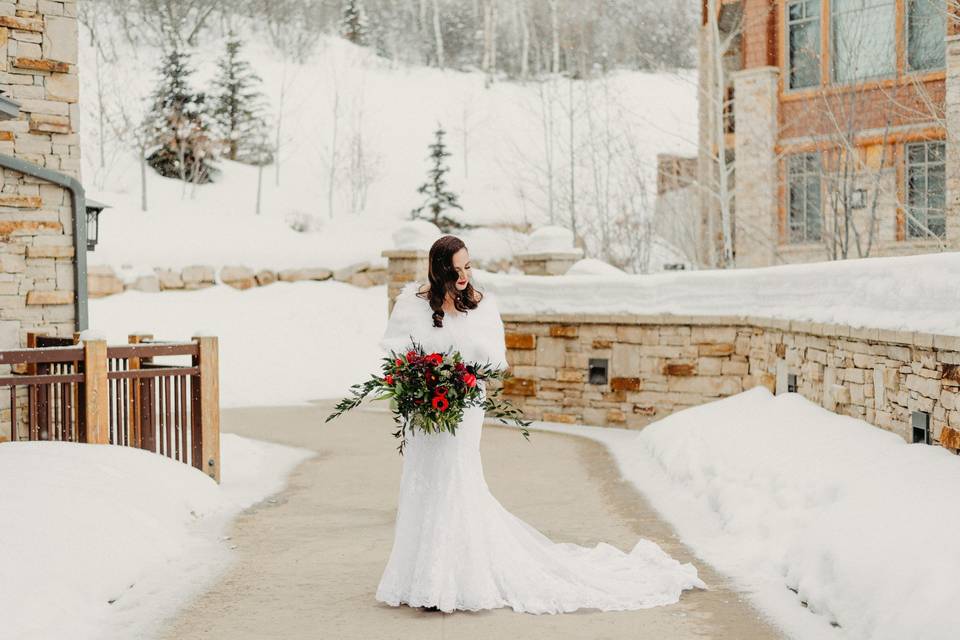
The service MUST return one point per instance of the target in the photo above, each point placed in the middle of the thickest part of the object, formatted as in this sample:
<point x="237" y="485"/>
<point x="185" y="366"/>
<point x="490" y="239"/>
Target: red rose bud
<point x="388" y="379"/>
<point x="411" y="356"/>
<point x="440" y="403"/>
<point x="470" y="380"/>
<point x="399" y="362"/>
<point x="441" y="391"/>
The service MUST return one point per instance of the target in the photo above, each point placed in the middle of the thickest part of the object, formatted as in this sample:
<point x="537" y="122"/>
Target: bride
<point x="455" y="546"/>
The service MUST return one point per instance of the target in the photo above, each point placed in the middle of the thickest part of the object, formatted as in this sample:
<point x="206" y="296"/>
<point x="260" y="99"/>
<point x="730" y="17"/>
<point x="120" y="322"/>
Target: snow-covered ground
<point x="798" y="504"/>
<point x="102" y="542"/>
<point x="342" y="95"/>
<point x="282" y="344"/>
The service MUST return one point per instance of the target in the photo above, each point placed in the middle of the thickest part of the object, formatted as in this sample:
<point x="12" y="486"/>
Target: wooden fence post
<point x="137" y="437"/>
<point x="209" y="393"/>
<point x="97" y="391"/>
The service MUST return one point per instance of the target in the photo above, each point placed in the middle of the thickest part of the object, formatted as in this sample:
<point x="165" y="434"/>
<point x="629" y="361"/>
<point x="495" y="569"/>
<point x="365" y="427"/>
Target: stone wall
<point x="103" y="281"/>
<point x="38" y="70"/>
<point x="660" y="364"/>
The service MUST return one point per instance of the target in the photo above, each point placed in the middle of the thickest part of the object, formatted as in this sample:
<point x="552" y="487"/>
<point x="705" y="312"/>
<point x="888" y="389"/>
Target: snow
<point x="286" y="343"/>
<point x="913" y="293"/>
<point x="415" y="235"/>
<point x="82" y="525"/>
<point x="550" y="239"/>
<point x="593" y="267"/>
<point x="783" y="495"/>
<point x="495" y="137"/>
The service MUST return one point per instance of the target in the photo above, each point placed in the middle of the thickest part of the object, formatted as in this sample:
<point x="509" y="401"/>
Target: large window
<point x="863" y="39"/>
<point x="804" y="197"/>
<point x="803" y="27"/>
<point x="926" y="190"/>
<point x="926" y="30"/>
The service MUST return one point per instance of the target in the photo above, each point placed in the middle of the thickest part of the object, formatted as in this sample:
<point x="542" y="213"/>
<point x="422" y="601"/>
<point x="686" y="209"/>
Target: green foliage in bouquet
<point x="430" y="391"/>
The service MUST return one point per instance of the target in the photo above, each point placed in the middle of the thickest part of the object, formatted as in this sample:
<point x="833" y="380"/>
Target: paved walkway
<point x="309" y="563"/>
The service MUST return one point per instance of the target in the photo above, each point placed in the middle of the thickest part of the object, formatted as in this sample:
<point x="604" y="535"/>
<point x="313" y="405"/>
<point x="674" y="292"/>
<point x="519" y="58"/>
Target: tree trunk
<point x="555" y="32"/>
<point x="437" y="33"/>
<point x="719" y="87"/>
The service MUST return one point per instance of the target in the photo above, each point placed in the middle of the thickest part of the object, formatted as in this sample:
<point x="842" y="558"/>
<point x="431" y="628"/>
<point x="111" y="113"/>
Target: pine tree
<point x="439" y="199"/>
<point x="177" y="125"/>
<point x="353" y="24"/>
<point x="239" y="108"/>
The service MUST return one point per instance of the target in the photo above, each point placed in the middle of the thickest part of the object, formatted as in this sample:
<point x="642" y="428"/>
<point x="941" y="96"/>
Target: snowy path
<point x="310" y="560"/>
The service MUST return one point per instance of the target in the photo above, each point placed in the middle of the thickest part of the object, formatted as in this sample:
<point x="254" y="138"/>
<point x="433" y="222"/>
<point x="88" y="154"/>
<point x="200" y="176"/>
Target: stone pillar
<point x="952" y="111"/>
<point x="756" y="225"/>
<point x="554" y="263"/>
<point x="403" y="266"/>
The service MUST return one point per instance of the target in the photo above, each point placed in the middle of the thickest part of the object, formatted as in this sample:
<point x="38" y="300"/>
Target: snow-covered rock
<point x="415" y="235"/>
<point x="550" y="239"/>
<point x="594" y="267"/>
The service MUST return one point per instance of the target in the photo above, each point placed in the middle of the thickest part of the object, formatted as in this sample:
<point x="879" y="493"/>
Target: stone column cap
<point x="552" y="255"/>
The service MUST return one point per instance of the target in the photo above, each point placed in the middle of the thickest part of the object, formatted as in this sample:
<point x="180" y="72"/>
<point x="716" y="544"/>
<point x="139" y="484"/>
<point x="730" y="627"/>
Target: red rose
<point x="435" y="358"/>
<point x="441" y="391"/>
<point x="470" y="380"/>
<point x="388" y="379"/>
<point x="399" y="362"/>
<point x="411" y="356"/>
<point x="459" y="367"/>
<point x="440" y="403"/>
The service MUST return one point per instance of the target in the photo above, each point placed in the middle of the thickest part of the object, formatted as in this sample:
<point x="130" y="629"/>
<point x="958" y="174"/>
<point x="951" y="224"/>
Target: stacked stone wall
<point x="656" y="365"/>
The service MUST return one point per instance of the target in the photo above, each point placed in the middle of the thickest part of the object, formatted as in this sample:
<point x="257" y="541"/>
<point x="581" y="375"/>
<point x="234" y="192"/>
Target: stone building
<point x="42" y="211"/>
<point x="833" y="117"/>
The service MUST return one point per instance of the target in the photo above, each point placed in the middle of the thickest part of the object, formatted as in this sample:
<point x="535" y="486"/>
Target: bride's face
<point x="461" y="264"/>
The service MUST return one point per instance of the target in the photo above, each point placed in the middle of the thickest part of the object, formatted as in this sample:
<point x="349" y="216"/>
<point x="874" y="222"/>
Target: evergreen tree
<point x="239" y="107"/>
<point x="353" y="24"/>
<point x="439" y="199"/>
<point x="177" y="125"/>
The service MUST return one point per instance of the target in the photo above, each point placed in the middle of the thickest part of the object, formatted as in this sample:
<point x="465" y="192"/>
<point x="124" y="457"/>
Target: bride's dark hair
<point x="443" y="280"/>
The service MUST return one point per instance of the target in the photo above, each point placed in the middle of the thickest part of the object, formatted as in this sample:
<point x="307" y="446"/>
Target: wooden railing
<point x="118" y="395"/>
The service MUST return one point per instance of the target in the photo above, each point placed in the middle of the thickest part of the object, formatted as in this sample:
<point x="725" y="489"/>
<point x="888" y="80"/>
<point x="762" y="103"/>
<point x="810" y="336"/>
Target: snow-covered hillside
<point x="348" y="95"/>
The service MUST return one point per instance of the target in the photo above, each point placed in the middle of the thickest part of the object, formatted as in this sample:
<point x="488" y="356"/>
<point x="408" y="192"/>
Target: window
<point x="803" y="27"/>
<point x="926" y="190"/>
<point x="926" y="30"/>
<point x="803" y="197"/>
<point x="863" y="39"/>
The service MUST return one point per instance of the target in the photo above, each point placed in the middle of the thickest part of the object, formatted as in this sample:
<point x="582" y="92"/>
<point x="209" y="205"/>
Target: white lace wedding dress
<point x="456" y="547"/>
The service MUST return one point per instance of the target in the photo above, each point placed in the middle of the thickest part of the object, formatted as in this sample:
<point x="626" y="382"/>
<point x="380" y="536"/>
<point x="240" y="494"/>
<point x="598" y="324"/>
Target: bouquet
<point x="430" y="391"/>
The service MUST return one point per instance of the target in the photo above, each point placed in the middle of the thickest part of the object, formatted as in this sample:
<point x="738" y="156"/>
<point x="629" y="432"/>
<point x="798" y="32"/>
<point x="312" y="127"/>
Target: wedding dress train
<point x="456" y="547"/>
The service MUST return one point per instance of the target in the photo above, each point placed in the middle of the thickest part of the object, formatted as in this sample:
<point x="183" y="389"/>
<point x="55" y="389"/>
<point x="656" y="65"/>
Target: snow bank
<point x="103" y="541"/>
<point x="594" y="267"/>
<point x="282" y="344"/>
<point x="798" y="504"/>
<point x="915" y="293"/>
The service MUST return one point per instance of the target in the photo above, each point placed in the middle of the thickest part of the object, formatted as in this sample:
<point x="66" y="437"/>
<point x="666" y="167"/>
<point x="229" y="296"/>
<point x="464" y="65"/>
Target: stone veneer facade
<point x="38" y="70"/>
